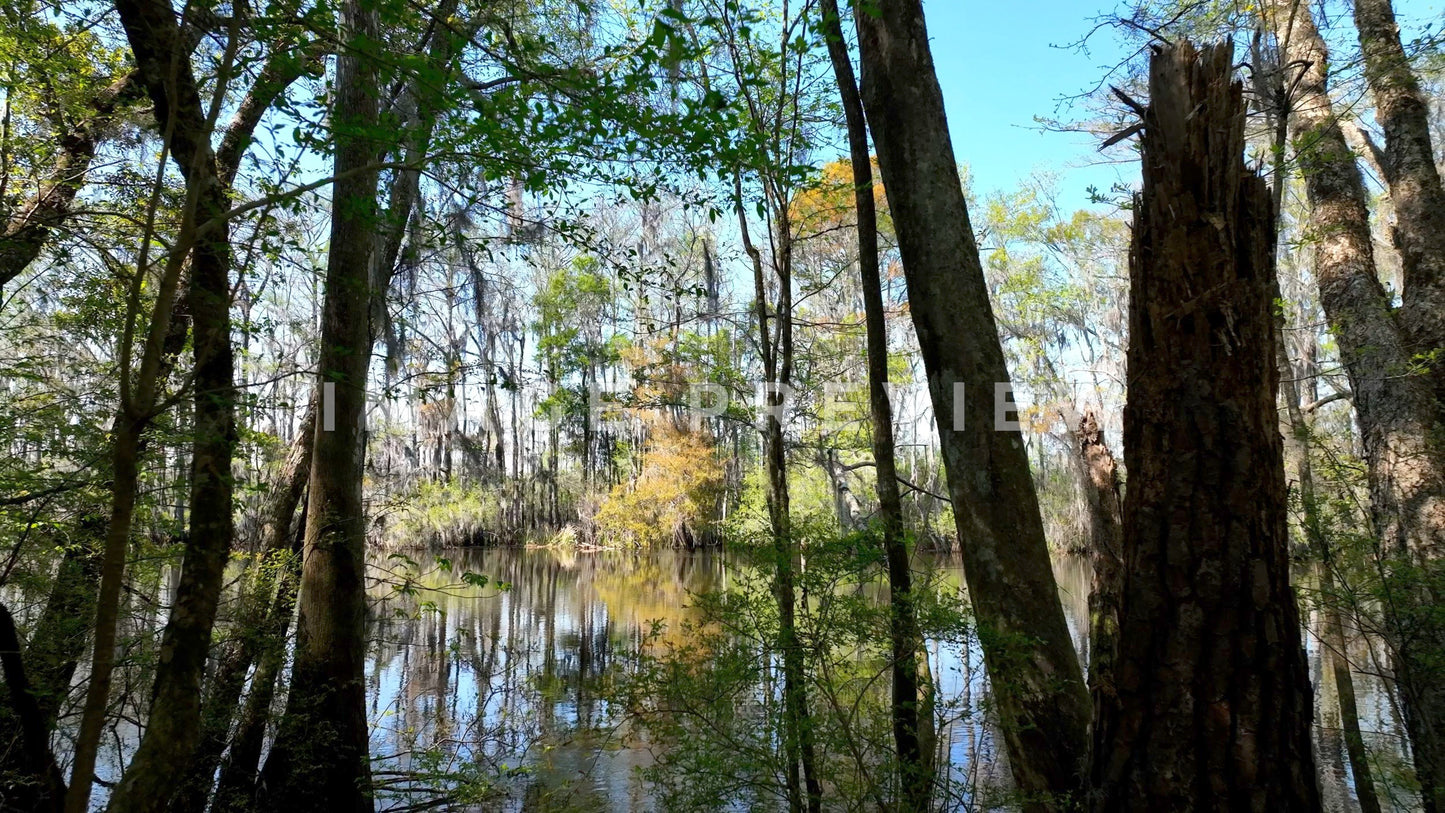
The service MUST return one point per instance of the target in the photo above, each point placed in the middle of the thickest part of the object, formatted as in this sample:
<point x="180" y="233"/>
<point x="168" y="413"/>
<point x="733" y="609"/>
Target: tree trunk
<point x="1106" y="546"/>
<point x="158" y="45"/>
<point x="1416" y="192"/>
<point x="251" y="633"/>
<point x="125" y="474"/>
<point x="1038" y="685"/>
<point x="798" y="747"/>
<point x="1397" y="408"/>
<point x="124" y="477"/>
<point x="1333" y="641"/>
<point x="60" y="635"/>
<point x="236" y="789"/>
<point x="1297" y="451"/>
<point x="39" y="785"/>
<point x="173" y="727"/>
<point x="1212" y="706"/>
<point x="320" y="757"/>
<point x="169" y="323"/>
<point x="57" y="641"/>
<point x="172" y="730"/>
<point x="914" y="776"/>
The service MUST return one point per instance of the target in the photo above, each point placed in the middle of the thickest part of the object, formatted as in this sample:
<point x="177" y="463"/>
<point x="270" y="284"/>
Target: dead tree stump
<point x="1211" y="706"/>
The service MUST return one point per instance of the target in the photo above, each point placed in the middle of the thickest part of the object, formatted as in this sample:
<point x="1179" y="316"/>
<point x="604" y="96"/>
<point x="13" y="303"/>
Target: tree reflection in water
<point x="502" y="695"/>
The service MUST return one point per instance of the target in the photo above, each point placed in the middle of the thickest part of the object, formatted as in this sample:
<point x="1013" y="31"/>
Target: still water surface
<point x="507" y="680"/>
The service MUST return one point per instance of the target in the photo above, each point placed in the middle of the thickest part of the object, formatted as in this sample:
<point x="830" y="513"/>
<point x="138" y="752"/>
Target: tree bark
<point x="23" y="238"/>
<point x="1212" y="705"/>
<point x="253" y="632"/>
<point x="1416" y="192"/>
<point x="320" y="757"/>
<point x="1397" y="408"/>
<point x="1038" y="685"/>
<point x="1106" y="547"/>
<point x="914" y="777"/>
<point x="173" y="727"/>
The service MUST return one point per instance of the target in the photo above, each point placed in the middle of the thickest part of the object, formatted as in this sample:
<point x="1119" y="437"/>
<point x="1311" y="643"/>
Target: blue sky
<point x="1003" y="63"/>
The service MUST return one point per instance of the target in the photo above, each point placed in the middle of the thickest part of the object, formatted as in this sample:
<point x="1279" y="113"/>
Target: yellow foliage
<point x="830" y="202"/>
<point x="673" y="502"/>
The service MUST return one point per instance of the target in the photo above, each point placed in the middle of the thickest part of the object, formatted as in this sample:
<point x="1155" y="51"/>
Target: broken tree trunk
<point x="1211" y="707"/>
<point x="1106" y="528"/>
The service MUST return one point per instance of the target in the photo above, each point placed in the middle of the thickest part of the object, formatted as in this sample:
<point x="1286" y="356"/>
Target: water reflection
<point x="502" y="686"/>
<point x="500" y="695"/>
<point x="507" y="680"/>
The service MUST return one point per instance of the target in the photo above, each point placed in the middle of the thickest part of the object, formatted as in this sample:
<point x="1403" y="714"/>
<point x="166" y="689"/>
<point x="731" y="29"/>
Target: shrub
<point x="673" y="502"/>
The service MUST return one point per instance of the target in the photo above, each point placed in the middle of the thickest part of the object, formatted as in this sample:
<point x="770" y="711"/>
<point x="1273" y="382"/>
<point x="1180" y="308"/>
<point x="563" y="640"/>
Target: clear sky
<point x="1003" y="63"/>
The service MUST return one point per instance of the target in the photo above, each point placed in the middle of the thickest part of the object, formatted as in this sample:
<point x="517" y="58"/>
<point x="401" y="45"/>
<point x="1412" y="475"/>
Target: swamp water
<point x="509" y="679"/>
<point x="501" y="696"/>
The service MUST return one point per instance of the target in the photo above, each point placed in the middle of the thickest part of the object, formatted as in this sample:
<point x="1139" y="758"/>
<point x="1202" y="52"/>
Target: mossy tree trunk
<point x="320" y="759"/>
